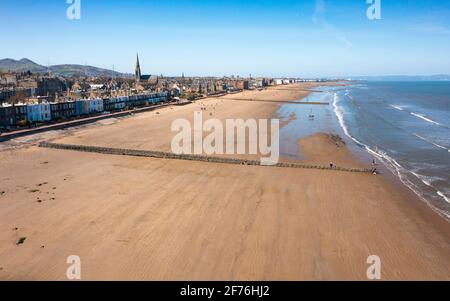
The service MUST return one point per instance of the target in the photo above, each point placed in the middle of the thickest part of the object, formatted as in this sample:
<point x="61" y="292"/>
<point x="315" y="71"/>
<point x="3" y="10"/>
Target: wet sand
<point x="153" y="219"/>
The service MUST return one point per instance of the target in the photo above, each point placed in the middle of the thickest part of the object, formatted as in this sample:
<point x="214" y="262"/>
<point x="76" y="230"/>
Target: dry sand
<point x="152" y="219"/>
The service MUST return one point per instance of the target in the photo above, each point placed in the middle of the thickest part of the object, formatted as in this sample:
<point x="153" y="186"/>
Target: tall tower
<point x="137" y="70"/>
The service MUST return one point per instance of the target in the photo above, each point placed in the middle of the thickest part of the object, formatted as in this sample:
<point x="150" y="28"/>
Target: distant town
<point x="39" y="96"/>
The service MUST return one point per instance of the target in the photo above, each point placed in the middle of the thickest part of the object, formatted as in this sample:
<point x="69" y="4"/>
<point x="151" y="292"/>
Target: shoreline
<point x="390" y="179"/>
<point x="361" y="155"/>
<point x="132" y="218"/>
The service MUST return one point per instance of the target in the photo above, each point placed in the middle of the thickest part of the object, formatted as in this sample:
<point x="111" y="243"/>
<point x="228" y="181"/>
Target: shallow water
<point x="324" y="121"/>
<point x="405" y="125"/>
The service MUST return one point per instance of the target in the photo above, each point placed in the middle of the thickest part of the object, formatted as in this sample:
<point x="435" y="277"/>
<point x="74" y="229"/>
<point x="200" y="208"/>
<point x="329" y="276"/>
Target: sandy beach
<point x="131" y="218"/>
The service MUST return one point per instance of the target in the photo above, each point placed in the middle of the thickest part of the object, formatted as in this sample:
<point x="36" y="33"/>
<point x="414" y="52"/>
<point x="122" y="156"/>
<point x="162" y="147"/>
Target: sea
<point x="405" y="126"/>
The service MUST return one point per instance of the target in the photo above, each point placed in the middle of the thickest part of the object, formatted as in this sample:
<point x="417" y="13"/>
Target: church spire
<point x="138" y="69"/>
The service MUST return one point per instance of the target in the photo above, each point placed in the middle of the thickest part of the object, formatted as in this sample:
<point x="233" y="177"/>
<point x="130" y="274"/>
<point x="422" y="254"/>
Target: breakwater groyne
<point x="201" y="158"/>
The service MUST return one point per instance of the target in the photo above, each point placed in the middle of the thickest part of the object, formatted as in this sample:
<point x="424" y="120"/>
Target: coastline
<point x="197" y="221"/>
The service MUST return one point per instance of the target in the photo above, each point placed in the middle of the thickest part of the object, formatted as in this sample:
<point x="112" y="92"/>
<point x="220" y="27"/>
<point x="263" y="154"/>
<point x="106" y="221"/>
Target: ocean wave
<point x="444" y="196"/>
<point x="397" y="107"/>
<point x="402" y="172"/>
<point x="340" y="115"/>
<point x="425" y="118"/>
<point x="427" y="180"/>
<point x="393" y="165"/>
<point x="417" y="115"/>
<point x="432" y="143"/>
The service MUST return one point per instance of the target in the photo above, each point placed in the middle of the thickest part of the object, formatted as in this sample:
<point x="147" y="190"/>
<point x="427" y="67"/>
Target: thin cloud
<point x="319" y="19"/>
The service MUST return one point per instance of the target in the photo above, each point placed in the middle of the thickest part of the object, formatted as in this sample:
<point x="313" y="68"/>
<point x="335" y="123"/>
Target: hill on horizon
<point x="66" y="70"/>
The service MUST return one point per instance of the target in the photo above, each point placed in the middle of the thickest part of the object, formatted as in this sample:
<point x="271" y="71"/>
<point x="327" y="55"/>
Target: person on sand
<point x="331" y="165"/>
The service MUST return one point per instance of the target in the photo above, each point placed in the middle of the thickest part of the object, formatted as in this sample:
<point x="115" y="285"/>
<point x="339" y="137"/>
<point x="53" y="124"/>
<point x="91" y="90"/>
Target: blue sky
<point x="224" y="37"/>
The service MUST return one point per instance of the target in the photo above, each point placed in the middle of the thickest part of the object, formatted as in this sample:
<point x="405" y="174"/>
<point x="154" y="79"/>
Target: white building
<point x="278" y="81"/>
<point x="95" y="87"/>
<point x="39" y="112"/>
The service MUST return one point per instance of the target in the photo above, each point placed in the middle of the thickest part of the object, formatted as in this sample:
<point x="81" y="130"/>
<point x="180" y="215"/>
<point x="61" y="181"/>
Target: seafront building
<point x="27" y="98"/>
<point x="95" y="105"/>
<point x="81" y="107"/>
<point x="62" y="110"/>
<point x="114" y="104"/>
<point x="32" y="113"/>
<point x="39" y="112"/>
<point x="7" y="115"/>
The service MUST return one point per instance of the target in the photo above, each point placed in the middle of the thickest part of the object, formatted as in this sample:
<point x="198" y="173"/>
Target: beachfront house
<point x="114" y="104"/>
<point x="20" y="114"/>
<point x="81" y="107"/>
<point x="157" y="97"/>
<point x="120" y="103"/>
<point x="38" y="112"/>
<point x="108" y="104"/>
<point x="6" y="116"/>
<point x="95" y="105"/>
<point x="62" y="110"/>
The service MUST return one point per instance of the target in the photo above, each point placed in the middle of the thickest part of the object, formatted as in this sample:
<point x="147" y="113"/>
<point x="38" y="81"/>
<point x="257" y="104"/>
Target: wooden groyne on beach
<point x="200" y="158"/>
<point x="280" y="101"/>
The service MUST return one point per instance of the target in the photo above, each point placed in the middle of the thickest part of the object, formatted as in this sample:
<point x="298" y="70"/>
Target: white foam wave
<point x="397" y="107"/>
<point x="392" y="164"/>
<point x="417" y="115"/>
<point x="444" y="196"/>
<point x="340" y="115"/>
<point x="402" y="172"/>
<point x="426" y="179"/>
<point x="433" y="143"/>
<point x="425" y="118"/>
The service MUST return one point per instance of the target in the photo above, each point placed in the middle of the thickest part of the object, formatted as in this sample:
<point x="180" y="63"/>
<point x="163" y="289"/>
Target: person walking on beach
<point x="331" y="165"/>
